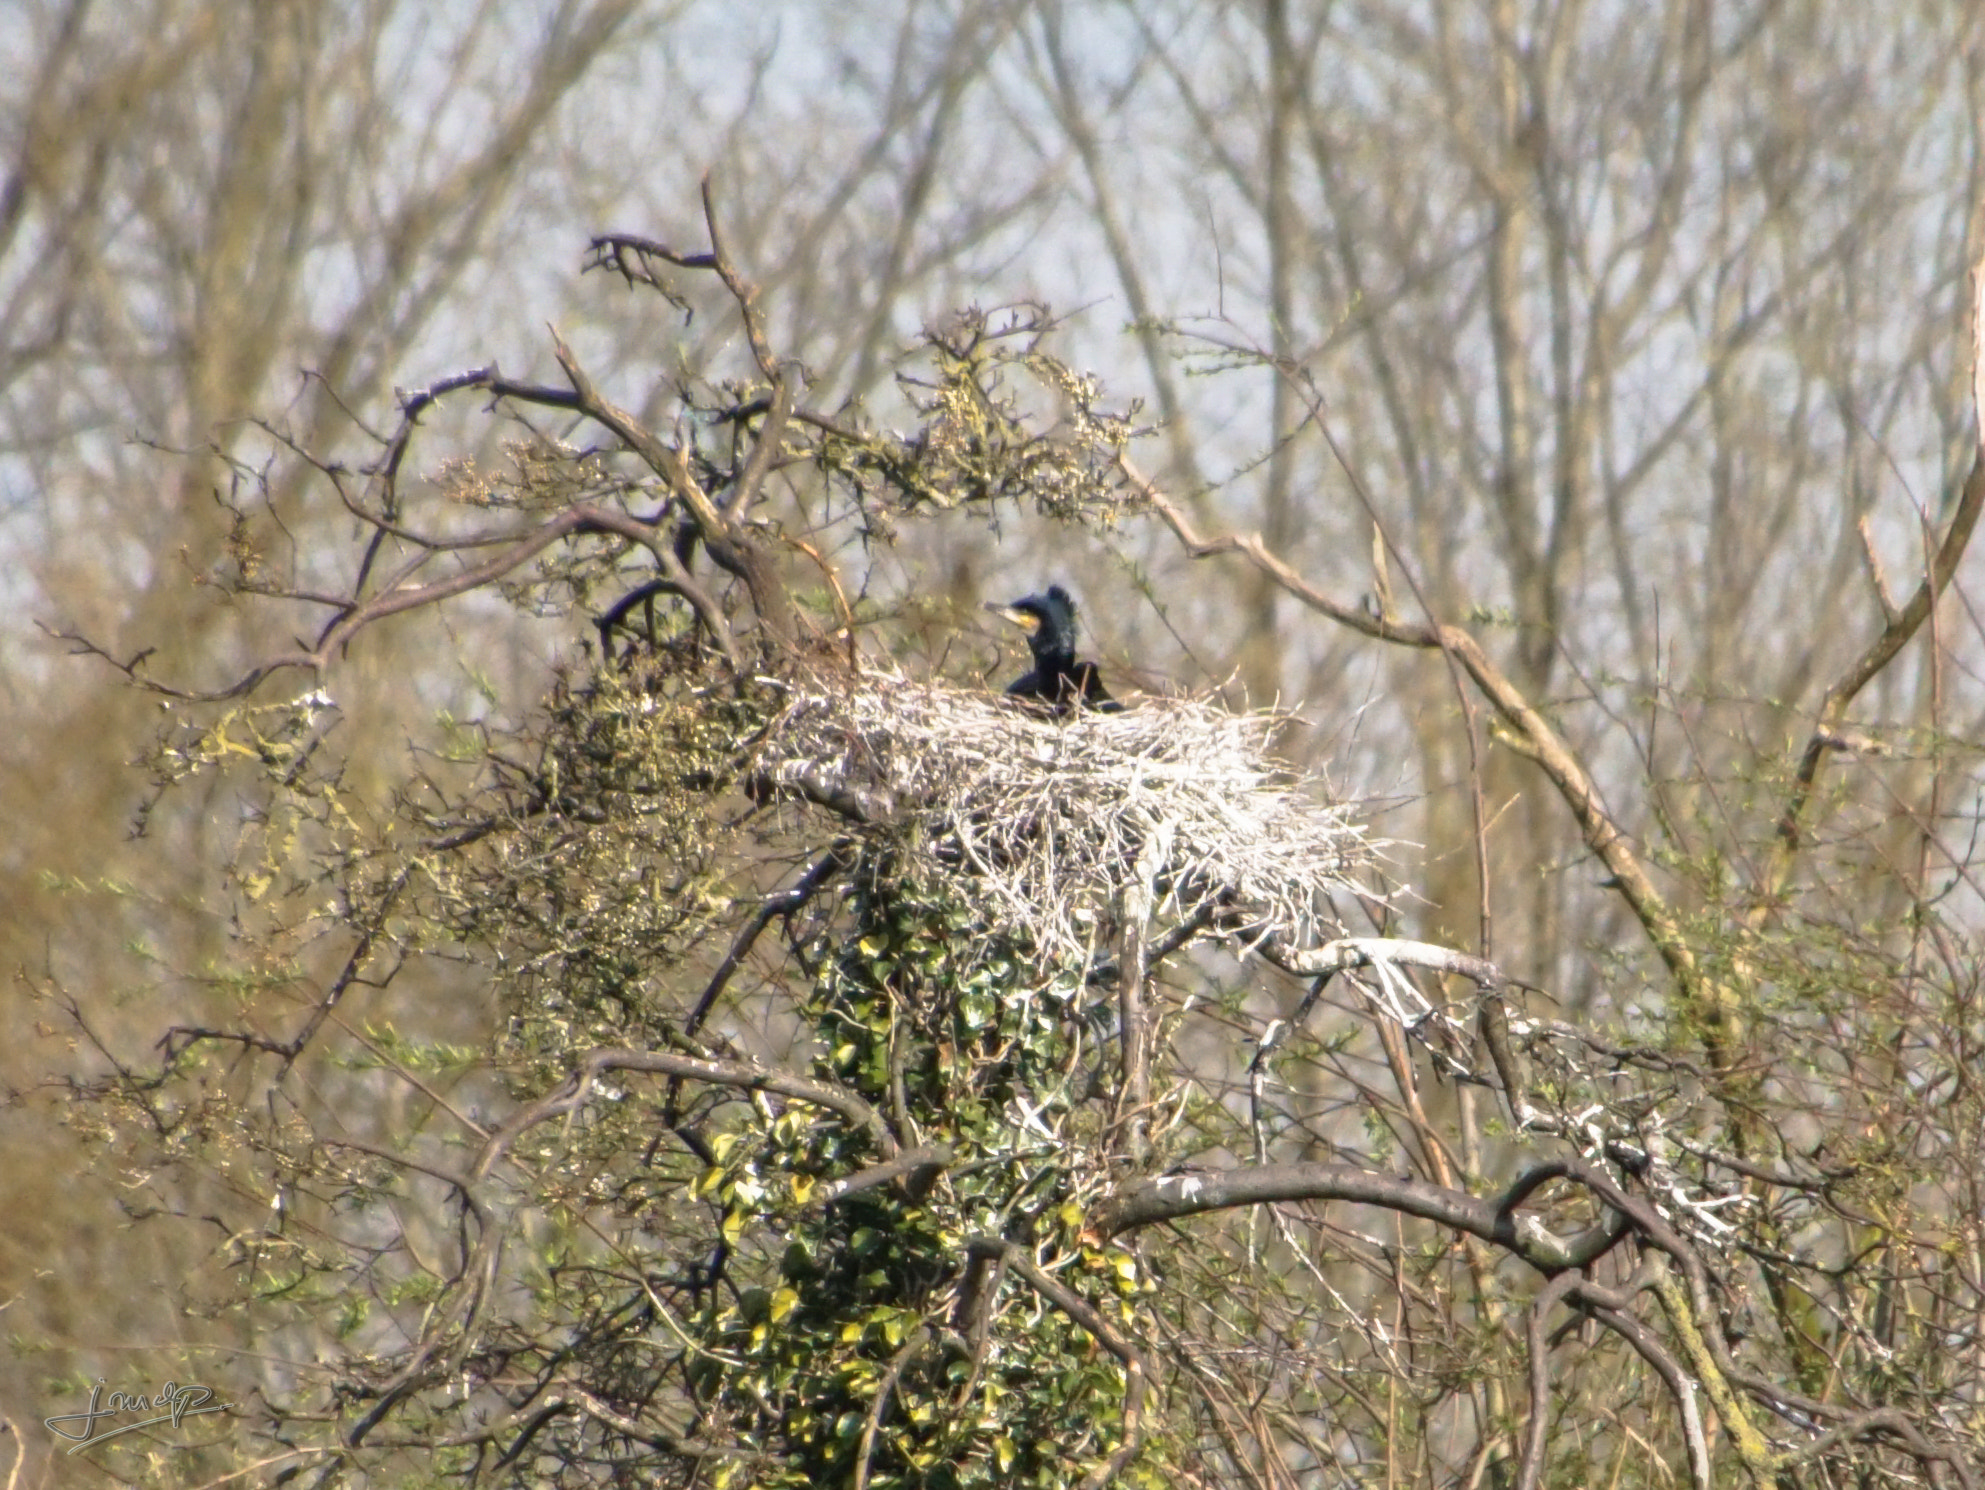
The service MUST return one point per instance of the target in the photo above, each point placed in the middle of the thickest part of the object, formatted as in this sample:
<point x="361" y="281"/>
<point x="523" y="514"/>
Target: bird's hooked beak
<point x="1026" y="620"/>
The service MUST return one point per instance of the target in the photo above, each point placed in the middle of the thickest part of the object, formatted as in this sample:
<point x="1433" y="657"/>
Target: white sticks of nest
<point x="1055" y="826"/>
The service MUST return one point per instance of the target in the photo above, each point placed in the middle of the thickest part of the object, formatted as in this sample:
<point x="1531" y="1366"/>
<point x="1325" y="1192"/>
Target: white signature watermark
<point x="171" y="1403"/>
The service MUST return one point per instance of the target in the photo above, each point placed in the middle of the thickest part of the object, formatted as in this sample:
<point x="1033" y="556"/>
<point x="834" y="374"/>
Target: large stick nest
<point x="1057" y="826"/>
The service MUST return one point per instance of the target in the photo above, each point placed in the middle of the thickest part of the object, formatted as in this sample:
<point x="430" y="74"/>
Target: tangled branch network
<point x="1057" y="826"/>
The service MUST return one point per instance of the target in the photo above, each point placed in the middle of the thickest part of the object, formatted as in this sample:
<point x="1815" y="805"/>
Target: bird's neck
<point x="1055" y="659"/>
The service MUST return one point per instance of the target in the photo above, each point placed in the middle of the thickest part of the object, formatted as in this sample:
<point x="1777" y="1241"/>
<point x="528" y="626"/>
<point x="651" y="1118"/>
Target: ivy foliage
<point x="852" y="1351"/>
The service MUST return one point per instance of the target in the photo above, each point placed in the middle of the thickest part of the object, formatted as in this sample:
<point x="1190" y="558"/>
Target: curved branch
<point x="1530" y="1454"/>
<point x="678" y="582"/>
<point x="479" y="1268"/>
<point x="723" y="538"/>
<point x="1902" y="622"/>
<point x="577" y="1088"/>
<point x="1611" y="1312"/>
<point x="1170" y="1197"/>
<point x="359" y="614"/>
<point x="626" y="255"/>
<point x="1528" y="729"/>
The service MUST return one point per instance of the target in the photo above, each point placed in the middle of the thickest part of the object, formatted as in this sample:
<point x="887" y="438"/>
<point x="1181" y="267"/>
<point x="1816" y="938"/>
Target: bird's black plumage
<point x="1058" y="678"/>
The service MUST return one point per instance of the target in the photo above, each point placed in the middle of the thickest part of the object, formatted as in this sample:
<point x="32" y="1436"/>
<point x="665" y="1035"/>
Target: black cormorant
<point x="1057" y="679"/>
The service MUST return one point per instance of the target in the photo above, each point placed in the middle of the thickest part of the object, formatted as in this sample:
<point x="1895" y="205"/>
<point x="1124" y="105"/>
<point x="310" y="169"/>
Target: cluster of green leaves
<point x="852" y="1352"/>
<point x="612" y="854"/>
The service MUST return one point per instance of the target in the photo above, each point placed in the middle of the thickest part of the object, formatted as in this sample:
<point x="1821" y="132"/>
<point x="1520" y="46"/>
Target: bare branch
<point x="1530" y="1458"/>
<point x="1903" y="623"/>
<point x="1173" y="1196"/>
<point x="1530" y="730"/>
<point x="577" y="1090"/>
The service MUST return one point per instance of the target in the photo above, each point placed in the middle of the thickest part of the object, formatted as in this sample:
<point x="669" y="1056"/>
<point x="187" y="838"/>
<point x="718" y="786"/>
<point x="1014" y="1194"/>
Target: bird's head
<point x="1048" y="619"/>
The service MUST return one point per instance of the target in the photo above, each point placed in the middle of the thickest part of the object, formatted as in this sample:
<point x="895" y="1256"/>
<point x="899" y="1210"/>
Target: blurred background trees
<point x="1637" y="333"/>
